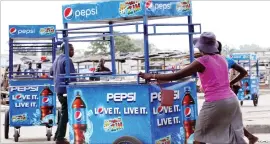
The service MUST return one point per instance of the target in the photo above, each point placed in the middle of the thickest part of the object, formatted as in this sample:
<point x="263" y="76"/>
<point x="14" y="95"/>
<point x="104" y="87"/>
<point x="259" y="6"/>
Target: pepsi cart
<point x="250" y="84"/>
<point x="31" y="96"/>
<point x="127" y="111"/>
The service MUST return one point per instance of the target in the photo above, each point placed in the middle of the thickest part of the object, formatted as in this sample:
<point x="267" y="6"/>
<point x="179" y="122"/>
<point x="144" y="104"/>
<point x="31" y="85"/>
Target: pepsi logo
<point x="68" y="13"/>
<point x="148" y="4"/>
<point x="100" y="110"/>
<point x="78" y="116"/>
<point x="160" y="109"/>
<point x="18" y="96"/>
<point x="187" y="112"/>
<point x="12" y="30"/>
<point x="45" y="100"/>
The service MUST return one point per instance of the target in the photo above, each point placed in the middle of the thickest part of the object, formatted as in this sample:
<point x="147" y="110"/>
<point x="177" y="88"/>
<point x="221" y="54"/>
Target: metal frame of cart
<point x="24" y="89"/>
<point x="123" y="13"/>
<point x="250" y="84"/>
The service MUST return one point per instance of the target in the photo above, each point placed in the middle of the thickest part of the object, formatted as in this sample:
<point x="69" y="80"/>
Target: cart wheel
<point x="58" y="116"/>
<point x="241" y="103"/>
<point x="6" y="124"/>
<point x="49" y="134"/>
<point x="127" y="140"/>
<point x="255" y="100"/>
<point x="16" y="135"/>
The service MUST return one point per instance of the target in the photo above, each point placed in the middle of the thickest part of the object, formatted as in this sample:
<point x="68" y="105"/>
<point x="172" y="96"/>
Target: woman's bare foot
<point x="253" y="140"/>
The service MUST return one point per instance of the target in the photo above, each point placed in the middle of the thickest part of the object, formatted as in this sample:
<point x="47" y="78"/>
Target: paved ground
<point x="256" y="119"/>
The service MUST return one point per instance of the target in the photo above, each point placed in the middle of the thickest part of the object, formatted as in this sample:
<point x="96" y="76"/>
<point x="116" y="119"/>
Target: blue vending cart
<point x="31" y="94"/>
<point x="250" y="84"/>
<point x="127" y="111"/>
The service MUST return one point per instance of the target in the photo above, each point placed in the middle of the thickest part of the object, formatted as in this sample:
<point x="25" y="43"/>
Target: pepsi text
<point x="119" y="97"/>
<point x="161" y="6"/>
<point x="157" y="96"/>
<point x="26" y="31"/>
<point x="23" y="89"/>
<point x="21" y="31"/>
<point x="69" y="14"/>
<point x="86" y="12"/>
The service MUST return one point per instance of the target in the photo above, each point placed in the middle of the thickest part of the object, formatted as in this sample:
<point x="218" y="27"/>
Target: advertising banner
<point x="32" y="31"/>
<point x="101" y="114"/>
<point x="104" y="113"/>
<point x="118" y="9"/>
<point x="32" y="102"/>
<point x="241" y="57"/>
<point x="174" y="124"/>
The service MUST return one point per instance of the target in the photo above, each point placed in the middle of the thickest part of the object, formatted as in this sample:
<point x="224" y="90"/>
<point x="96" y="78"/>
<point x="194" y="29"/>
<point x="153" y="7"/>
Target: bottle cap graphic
<point x="45" y="92"/>
<point x="78" y="94"/>
<point x="187" y="88"/>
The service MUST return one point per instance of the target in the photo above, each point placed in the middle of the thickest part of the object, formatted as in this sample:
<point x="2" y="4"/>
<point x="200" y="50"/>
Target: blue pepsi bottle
<point x="79" y="119"/>
<point x="188" y="110"/>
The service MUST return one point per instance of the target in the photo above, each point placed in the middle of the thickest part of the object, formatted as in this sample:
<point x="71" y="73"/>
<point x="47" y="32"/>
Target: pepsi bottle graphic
<point x="79" y="119"/>
<point x="188" y="110"/>
<point x="247" y="91"/>
<point x="46" y="107"/>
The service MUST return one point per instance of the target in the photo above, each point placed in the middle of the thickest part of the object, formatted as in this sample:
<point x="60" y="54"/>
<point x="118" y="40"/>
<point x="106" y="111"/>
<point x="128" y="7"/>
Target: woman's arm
<point x="242" y="74"/>
<point x="193" y="68"/>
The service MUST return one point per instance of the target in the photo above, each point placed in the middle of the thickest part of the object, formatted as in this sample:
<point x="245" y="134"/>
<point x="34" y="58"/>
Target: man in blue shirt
<point x="57" y="69"/>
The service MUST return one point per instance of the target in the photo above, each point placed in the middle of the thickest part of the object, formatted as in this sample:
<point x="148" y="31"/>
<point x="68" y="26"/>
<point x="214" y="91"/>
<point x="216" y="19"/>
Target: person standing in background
<point x="59" y="66"/>
<point x="29" y="70"/>
<point x="101" y="66"/>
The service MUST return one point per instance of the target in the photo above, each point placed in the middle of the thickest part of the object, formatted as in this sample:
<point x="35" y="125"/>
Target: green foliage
<point x="140" y="43"/>
<point x="250" y="47"/>
<point x="123" y="43"/>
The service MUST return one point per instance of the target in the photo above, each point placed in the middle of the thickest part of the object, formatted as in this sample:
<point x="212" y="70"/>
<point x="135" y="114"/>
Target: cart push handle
<point x="167" y="96"/>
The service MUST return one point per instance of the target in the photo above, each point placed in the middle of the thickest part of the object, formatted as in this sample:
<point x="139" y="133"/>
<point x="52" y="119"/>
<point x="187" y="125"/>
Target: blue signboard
<point x="252" y="57"/>
<point x="32" y="102"/>
<point x="32" y="31"/>
<point x="104" y="113"/>
<point x="94" y="11"/>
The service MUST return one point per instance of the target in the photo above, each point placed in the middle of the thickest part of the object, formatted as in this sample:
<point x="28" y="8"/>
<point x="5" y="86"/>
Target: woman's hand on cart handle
<point x="146" y="76"/>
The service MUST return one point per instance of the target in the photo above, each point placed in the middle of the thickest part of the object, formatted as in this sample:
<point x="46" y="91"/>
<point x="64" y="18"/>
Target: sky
<point x="234" y="22"/>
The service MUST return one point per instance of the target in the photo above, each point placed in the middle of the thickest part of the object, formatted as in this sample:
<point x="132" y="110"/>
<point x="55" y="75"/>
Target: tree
<point x="227" y="50"/>
<point x="250" y="47"/>
<point x="123" y="44"/>
<point x="140" y="43"/>
<point x="98" y="47"/>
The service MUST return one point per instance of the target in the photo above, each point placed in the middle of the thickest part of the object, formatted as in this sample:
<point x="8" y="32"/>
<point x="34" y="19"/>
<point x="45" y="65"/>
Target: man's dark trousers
<point x="62" y="125"/>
